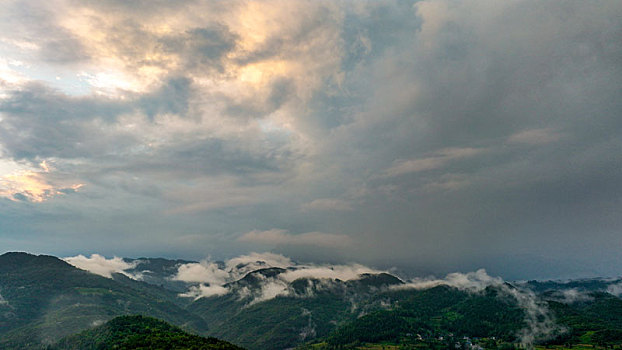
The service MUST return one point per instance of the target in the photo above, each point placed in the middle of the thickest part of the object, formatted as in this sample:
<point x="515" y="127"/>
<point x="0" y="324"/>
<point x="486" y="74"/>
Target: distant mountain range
<point x="47" y="303"/>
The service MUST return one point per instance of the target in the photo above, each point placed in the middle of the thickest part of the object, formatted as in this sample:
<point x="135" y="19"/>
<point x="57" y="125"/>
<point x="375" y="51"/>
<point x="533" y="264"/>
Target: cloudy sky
<point x="433" y="136"/>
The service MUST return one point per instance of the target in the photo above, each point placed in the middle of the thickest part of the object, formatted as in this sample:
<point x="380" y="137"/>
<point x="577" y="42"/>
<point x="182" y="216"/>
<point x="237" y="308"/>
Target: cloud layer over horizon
<point x="433" y="135"/>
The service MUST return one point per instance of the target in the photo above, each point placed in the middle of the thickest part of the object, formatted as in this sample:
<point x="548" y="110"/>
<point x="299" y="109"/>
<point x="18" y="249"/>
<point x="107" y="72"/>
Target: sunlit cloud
<point x="9" y="74"/>
<point x="101" y="265"/>
<point x="32" y="185"/>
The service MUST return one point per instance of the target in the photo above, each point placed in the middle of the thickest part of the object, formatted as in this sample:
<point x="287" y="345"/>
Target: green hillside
<point x="597" y="321"/>
<point x="159" y="272"/>
<point x="314" y="309"/>
<point x="278" y="323"/>
<point x="435" y="312"/>
<point x="45" y="299"/>
<point x="139" y="332"/>
<point x="442" y="317"/>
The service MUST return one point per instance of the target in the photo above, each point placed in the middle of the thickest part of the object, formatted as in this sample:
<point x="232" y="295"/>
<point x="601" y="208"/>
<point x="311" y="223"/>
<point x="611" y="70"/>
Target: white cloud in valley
<point x="214" y="279"/>
<point x="101" y="265"/>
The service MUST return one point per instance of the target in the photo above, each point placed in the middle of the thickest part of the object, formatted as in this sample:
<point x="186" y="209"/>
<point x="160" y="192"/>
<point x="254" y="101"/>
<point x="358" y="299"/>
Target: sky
<point x="429" y="136"/>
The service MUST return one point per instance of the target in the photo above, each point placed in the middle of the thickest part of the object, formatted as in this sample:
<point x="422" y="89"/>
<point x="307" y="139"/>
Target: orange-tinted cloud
<point x="32" y="186"/>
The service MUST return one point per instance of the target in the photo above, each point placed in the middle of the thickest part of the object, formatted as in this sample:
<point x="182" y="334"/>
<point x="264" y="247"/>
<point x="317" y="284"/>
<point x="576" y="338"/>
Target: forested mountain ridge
<point x="443" y="317"/>
<point x="139" y="332"/>
<point x="43" y="299"/>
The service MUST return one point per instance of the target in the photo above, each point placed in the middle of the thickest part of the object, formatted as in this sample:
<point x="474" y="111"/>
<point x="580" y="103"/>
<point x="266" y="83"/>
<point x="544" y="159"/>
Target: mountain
<point x="591" y="285"/>
<point x="278" y="323"/>
<point x="594" y="319"/>
<point x="45" y="298"/>
<point x="158" y="271"/>
<point x="443" y="316"/>
<point x="139" y="332"/>
<point x="263" y="310"/>
<point x="440" y="311"/>
<point x="263" y="305"/>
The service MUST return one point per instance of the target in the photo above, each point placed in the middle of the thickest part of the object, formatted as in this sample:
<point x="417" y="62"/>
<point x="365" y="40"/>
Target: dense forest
<point x="139" y="332"/>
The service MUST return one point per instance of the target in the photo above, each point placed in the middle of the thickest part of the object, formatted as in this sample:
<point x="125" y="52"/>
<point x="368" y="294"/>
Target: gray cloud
<point x="437" y="135"/>
<point x="40" y="122"/>
<point x="203" y="47"/>
<point x="26" y="22"/>
<point x="282" y="237"/>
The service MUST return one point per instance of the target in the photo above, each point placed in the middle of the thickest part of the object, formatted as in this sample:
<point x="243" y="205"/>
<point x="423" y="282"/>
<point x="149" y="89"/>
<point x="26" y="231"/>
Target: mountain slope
<point x="597" y="320"/>
<point x="443" y="316"/>
<point x="159" y="272"/>
<point x="45" y="298"/>
<point x="262" y="311"/>
<point x="139" y="332"/>
<point x="435" y="312"/>
<point x="278" y="323"/>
